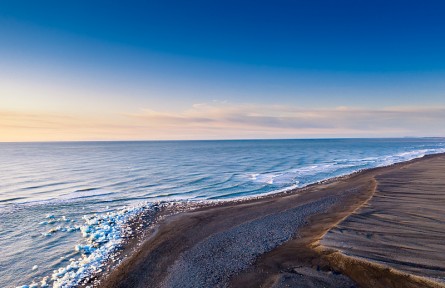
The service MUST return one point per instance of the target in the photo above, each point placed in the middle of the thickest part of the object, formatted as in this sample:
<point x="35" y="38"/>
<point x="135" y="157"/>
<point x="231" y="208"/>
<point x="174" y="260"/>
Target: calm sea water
<point x="46" y="188"/>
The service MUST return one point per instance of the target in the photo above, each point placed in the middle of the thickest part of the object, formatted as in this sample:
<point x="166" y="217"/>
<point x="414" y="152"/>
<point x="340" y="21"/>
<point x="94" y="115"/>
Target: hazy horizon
<point x="228" y="139"/>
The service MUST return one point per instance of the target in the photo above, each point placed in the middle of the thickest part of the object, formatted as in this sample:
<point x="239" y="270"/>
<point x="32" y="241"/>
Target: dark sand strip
<point x="266" y="242"/>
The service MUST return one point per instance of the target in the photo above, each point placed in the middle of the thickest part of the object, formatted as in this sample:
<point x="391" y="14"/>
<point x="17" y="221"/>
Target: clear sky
<point x="135" y="70"/>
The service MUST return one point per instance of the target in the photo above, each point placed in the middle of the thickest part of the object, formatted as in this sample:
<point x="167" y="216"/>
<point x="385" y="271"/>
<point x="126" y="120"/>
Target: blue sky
<point x="103" y="70"/>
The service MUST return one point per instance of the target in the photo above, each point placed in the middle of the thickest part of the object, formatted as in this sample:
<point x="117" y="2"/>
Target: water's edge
<point x="107" y="237"/>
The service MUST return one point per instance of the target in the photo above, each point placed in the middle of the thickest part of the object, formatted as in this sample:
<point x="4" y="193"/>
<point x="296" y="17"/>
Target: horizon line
<point x="228" y="139"/>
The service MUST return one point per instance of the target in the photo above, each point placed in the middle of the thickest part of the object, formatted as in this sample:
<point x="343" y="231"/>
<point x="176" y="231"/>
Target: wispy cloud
<point x="220" y="120"/>
<point x="297" y="121"/>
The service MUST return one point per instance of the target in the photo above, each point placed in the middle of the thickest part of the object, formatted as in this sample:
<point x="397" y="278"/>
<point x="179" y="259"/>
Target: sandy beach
<point x="376" y="228"/>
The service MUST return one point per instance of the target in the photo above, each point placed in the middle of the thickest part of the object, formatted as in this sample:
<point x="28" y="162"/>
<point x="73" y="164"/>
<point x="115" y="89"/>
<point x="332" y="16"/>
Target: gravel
<point x="214" y="260"/>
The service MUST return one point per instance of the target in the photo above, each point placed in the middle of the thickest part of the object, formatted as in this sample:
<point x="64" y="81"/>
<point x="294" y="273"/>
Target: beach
<point x="80" y="209"/>
<point x="311" y="237"/>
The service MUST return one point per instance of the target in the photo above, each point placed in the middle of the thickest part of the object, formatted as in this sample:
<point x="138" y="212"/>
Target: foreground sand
<point x="274" y="241"/>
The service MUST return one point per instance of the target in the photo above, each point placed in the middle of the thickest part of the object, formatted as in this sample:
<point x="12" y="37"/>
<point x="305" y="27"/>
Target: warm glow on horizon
<point x="222" y="121"/>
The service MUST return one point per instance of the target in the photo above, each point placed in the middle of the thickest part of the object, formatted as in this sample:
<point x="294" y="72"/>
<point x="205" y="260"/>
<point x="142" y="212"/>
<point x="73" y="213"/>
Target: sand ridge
<point x="401" y="228"/>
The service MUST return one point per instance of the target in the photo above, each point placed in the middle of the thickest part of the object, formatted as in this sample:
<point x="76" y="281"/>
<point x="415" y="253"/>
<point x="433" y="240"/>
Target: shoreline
<point x="151" y="262"/>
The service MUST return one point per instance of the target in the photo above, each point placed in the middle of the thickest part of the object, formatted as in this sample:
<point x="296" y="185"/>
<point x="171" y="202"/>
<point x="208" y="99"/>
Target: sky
<point x="167" y="70"/>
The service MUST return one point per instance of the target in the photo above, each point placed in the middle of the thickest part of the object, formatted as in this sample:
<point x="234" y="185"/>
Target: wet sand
<point x="274" y="241"/>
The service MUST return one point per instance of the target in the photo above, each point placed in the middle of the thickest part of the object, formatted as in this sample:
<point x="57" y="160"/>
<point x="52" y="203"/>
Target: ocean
<point x="63" y="206"/>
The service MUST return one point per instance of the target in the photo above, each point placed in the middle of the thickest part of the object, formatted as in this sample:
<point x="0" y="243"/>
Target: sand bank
<point x="402" y="227"/>
<point x="274" y="241"/>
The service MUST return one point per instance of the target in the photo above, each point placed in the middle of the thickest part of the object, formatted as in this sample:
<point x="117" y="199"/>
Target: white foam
<point x="408" y="155"/>
<point x="102" y="233"/>
<point x="294" y="176"/>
